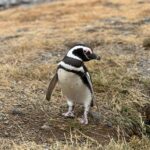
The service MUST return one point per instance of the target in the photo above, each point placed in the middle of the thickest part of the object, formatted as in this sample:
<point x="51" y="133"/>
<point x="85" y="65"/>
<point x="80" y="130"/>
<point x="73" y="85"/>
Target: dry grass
<point x="134" y="144"/>
<point x="34" y="39"/>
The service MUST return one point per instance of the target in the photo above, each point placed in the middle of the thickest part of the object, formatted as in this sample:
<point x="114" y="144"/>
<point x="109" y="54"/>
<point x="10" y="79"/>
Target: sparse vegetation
<point x="34" y="39"/>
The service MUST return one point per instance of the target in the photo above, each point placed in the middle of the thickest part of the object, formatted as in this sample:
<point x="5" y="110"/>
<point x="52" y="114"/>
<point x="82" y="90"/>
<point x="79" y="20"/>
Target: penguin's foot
<point x="68" y="114"/>
<point x="83" y="121"/>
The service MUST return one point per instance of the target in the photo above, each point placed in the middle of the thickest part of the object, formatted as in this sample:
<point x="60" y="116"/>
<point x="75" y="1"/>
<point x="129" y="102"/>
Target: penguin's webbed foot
<point x="68" y="114"/>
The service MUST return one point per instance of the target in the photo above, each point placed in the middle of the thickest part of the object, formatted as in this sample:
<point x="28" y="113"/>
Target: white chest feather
<point x="73" y="87"/>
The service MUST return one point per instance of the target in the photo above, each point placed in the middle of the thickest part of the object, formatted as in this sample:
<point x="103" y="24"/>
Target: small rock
<point x="146" y="43"/>
<point x="109" y="124"/>
<point x="146" y="20"/>
<point x="17" y="111"/>
<point x="46" y="127"/>
<point x="140" y="1"/>
<point x="2" y="116"/>
<point x="96" y="116"/>
<point x="6" y="134"/>
<point x="46" y="56"/>
<point x="112" y="5"/>
<point x="90" y="29"/>
<point x="22" y="30"/>
<point x="6" y="122"/>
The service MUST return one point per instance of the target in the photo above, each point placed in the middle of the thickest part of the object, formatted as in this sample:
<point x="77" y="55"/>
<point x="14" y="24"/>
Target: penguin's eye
<point x="87" y="52"/>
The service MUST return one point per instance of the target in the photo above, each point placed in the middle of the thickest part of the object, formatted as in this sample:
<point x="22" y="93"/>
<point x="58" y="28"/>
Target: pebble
<point x="45" y="127"/>
<point x="146" y="43"/>
<point x="6" y="134"/>
<point x="2" y="116"/>
<point x="109" y="124"/>
<point x="17" y="111"/>
<point x="6" y="122"/>
<point x="96" y="115"/>
<point x="140" y="1"/>
<point x="91" y="29"/>
<point x="46" y="56"/>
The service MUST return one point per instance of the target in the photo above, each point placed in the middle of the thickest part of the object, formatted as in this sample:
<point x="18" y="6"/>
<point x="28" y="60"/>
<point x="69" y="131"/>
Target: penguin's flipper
<point x="51" y="86"/>
<point x="90" y="81"/>
<point x="91" y="87"/>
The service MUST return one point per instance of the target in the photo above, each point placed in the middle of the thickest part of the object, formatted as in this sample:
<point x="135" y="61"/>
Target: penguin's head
<point x="83" y="53"/>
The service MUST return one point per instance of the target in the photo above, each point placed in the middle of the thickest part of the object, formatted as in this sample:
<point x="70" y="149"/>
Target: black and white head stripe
<point x="76" y="56"/>
<point x="72" y="61"/>
<point x="79" y="52"/>
<point x="71" y="67"/>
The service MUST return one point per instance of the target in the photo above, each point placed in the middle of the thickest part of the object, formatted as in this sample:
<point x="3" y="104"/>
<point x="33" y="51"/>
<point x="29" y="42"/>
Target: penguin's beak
<point x="94" y="56"/>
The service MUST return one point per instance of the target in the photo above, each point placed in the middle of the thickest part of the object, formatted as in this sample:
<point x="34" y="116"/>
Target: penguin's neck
<point x="72" y="61"/>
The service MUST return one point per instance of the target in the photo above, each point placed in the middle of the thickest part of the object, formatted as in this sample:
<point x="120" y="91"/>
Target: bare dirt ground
<point x="33" y="40"/>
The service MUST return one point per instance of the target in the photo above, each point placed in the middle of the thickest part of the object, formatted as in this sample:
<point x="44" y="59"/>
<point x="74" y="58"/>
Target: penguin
<point x="74" y="80"/>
